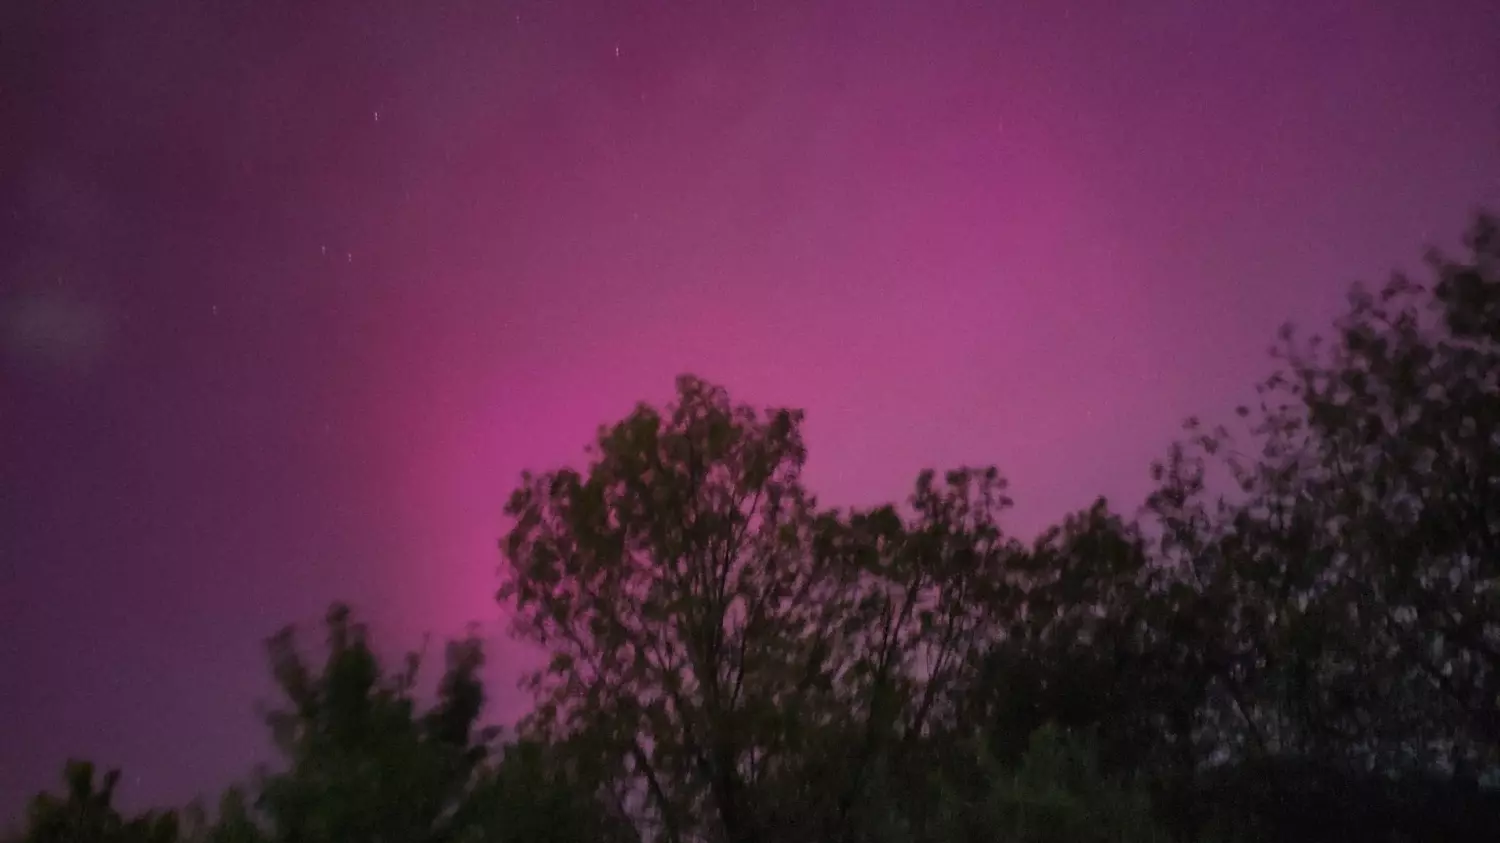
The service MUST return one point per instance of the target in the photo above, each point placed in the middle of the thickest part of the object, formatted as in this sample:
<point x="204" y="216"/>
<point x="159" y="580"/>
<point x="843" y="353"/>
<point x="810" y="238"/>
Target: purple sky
<point x="290" y="293"/>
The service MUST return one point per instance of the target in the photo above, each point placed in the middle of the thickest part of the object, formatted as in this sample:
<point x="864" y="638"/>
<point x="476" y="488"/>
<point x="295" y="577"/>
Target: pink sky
<point x="290" y="297"/>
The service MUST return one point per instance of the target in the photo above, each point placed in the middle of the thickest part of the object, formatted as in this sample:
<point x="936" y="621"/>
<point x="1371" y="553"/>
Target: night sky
<point x="290" y="292"/>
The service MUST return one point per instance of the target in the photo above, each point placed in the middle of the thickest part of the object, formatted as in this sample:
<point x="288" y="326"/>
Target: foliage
<point x="1057" y="794"/>
<point x="1345" y="593"/>
<point x="1298" y="638"/>
<point x="87" y="813"/>
<point x="725" y="640"/>
<point x="363" y="764"/>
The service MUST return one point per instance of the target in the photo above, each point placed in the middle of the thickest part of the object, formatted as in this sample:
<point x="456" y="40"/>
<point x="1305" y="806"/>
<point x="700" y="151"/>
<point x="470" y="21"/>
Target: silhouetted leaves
<point x="87" y="813"/>
<point x="1298" y="639"/>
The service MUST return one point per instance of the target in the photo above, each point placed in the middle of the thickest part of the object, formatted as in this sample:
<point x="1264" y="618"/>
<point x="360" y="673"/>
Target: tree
<point x="365" y="763"/>
<point x="362" y="763"/>
<point x="1299" y="639"/>
<point x="1340" y="556"/>
<point x="87" y="813"/>
<point x="1054" y="790"/>
<point x="536" y="793"/>
<point x="1057" y="793"/>
<point x="742" y="658"/>
<point x="234" y="823"/>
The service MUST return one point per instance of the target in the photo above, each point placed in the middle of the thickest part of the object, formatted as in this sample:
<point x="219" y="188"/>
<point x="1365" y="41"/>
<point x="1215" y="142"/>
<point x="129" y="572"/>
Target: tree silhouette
<point x="1298" y="638"/>
<point x="87" y="813"/>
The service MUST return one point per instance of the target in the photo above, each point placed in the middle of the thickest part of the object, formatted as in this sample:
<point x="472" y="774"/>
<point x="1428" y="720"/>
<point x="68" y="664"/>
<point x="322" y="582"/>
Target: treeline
<point x="1296" y="638"/>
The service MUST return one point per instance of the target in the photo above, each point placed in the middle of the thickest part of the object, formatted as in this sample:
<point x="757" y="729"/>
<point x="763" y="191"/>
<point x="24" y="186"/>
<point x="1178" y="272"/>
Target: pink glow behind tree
<point x="290" y="293"/>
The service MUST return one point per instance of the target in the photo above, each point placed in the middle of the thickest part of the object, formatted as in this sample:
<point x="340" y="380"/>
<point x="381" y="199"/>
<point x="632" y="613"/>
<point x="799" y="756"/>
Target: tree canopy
<point x="1296" y="637"/>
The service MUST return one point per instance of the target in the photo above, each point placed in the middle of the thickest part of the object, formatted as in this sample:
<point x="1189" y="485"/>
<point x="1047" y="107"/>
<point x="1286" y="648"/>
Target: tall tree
<point x="1339" y="556"/>
<point x="743" y="657"/>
